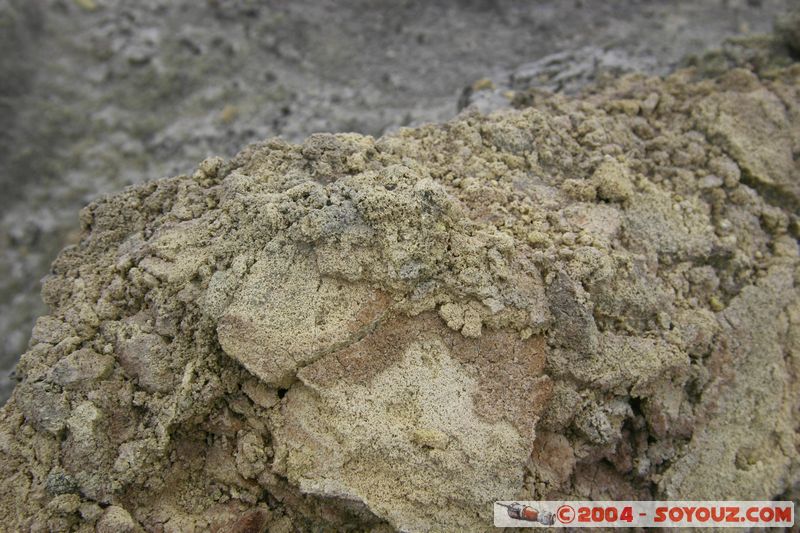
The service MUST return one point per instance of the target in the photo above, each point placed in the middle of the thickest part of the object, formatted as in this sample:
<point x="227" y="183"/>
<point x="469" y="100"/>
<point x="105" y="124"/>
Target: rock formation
<point x="592" y="297"/>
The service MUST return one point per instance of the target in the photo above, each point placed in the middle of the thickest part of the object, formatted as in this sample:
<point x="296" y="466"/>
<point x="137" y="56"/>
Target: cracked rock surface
<point x="593" y="297"/>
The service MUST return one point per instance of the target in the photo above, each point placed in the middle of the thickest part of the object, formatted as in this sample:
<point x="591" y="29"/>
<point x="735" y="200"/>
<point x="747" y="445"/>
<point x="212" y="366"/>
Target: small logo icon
<point x="527" y="513"/>
<point x="566" y="514"/>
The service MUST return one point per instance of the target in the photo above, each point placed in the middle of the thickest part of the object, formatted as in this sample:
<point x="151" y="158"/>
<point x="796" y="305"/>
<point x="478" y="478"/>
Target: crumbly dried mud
<point x="594" y="297"/>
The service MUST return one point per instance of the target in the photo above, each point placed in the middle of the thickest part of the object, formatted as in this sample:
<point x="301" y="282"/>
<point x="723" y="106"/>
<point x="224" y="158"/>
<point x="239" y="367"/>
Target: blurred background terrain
<point x="99" y="94"/>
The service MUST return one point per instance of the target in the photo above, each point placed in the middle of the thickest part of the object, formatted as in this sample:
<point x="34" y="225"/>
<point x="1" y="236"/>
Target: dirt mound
<point x="595" y="297"/>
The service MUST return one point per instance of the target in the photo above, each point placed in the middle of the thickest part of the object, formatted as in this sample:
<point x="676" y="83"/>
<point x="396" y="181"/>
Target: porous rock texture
<point x="590" y="297"/>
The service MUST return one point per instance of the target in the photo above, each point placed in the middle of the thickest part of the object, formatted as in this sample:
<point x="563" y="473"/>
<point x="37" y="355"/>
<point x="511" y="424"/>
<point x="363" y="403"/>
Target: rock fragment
<point x="596" y="297"/>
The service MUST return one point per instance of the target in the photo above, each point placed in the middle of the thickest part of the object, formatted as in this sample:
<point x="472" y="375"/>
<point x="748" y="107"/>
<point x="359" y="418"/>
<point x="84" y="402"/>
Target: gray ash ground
<point x="96" y="95"/>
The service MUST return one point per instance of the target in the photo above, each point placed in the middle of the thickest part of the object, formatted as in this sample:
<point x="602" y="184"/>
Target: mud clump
<point x="592" y="298"/>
